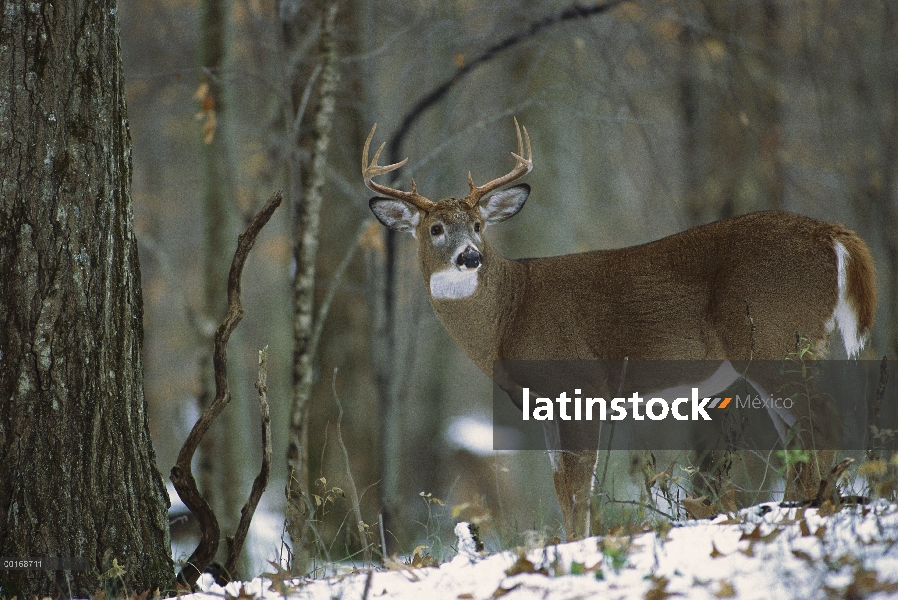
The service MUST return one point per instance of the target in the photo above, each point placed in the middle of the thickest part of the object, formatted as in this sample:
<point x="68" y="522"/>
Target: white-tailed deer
<point x="738" y="289"/>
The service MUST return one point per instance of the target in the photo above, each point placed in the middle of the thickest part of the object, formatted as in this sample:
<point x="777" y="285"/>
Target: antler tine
<point x="529" y="160"/>
<point x="372" y="169"/>
<point x="523" y="167"/>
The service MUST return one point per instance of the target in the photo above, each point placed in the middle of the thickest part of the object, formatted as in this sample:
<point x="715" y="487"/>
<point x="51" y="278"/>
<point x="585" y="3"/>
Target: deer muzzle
<point x="470" y="258"/>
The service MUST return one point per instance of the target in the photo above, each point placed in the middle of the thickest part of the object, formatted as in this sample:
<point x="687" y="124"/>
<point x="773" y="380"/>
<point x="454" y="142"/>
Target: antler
<point x="522" y="168"/>
<point x="369" y="171"/>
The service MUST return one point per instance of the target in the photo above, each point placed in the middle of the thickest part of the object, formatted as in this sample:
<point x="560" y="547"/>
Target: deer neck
<point x="477" y="319"/>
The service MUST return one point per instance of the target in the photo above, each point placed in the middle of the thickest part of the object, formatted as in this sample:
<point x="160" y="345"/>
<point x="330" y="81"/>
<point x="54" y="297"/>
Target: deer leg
<point x="814" y="426"/>
<point x="573" y="473"/>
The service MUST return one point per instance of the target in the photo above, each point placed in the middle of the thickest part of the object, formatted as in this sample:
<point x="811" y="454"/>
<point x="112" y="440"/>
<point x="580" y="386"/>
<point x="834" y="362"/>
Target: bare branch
<point x="181" y="473"/>
<point x="573" y="12"/>
<point x="235" y="544"/>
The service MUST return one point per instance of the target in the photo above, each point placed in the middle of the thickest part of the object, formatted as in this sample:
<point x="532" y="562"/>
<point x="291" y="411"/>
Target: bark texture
<point x="77" y="469"/>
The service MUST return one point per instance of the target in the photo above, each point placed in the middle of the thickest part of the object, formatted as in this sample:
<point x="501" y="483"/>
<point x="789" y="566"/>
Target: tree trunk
<point x="306" y="201"/>
<point x="731" y="110"/>
<point x="77" y="469"/>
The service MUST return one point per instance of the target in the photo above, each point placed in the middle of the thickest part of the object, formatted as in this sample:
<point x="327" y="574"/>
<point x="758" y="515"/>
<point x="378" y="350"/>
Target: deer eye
<point x="436" y="229"/>
<point x="477" y="227"/>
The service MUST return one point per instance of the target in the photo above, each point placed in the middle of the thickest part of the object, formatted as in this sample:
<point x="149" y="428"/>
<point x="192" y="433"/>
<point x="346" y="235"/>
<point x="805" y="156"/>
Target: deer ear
<point x="504" y="204"/>
<point x="395" y="214"/>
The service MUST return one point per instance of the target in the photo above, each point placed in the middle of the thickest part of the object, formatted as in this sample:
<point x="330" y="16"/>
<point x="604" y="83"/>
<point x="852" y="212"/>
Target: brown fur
<point x="735" y="289"/>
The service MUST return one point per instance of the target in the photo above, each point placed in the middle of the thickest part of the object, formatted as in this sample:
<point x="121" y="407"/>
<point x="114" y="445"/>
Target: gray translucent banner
<point x="695" y="405"/>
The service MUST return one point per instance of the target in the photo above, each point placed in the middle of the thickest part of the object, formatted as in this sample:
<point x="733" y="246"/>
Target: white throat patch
<point x="452" y="284"/>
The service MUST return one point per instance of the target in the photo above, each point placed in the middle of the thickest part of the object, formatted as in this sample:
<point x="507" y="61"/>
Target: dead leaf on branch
<point x="207" y="112"/>
<point x="421" y="559"/>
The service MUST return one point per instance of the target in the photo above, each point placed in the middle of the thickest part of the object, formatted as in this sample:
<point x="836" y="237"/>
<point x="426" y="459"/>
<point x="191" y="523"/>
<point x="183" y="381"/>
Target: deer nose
<point x="470" y="258"/>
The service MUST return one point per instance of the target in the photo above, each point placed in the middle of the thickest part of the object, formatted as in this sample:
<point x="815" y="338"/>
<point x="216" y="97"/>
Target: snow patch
<point x="762" y="552"/>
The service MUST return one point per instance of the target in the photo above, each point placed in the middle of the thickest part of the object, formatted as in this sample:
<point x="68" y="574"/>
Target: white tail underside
<point x="844" y="315"/>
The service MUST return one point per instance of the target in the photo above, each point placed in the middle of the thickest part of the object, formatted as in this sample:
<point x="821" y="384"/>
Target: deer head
<point x="450" y="231"/>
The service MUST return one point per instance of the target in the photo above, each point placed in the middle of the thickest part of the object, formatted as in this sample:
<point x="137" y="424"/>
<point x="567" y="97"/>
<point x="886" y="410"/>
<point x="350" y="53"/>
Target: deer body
<point x="687" y="296"/>
<point x="738" y="289"/>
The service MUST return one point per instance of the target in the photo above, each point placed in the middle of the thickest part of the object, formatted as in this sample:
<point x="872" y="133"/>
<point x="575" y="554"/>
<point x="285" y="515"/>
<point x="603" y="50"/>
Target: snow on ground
<point x="761" y="552"/>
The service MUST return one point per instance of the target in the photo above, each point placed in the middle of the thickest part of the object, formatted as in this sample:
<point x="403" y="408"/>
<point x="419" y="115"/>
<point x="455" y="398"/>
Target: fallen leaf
<point x="659" y="590"/>
<point x="726" y="590"/>
<point x="804" y="556"/>
<point x="697" y="508"/>
<point x="242" y="594"/>
<point x="523" y="565"/>
<point x="866" y="583"/>
<point x="754" y="535"/>
<point x="827" y="509"/>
